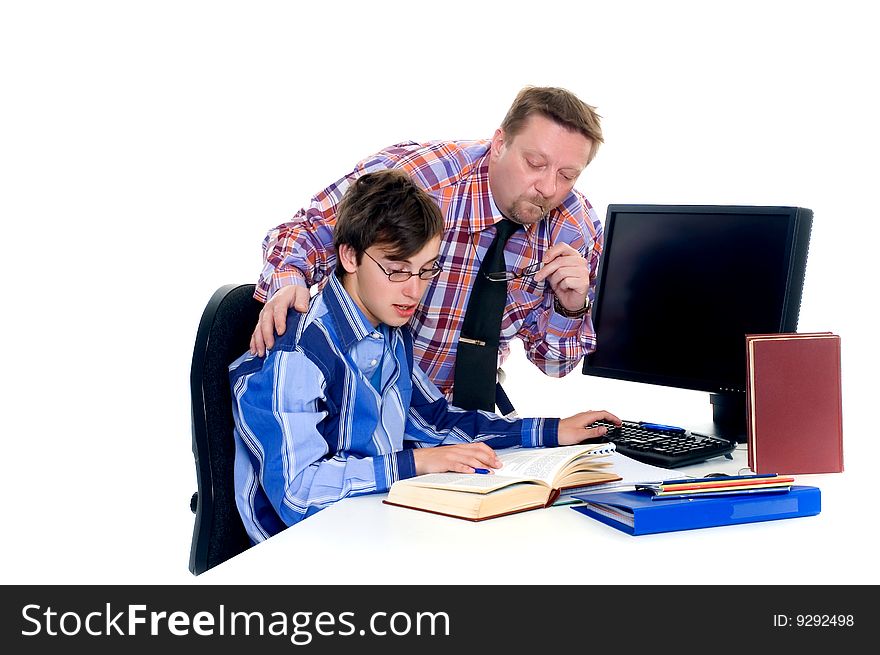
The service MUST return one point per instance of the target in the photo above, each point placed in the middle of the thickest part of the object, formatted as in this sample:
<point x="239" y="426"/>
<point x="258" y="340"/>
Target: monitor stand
<point x="729" y="415"/>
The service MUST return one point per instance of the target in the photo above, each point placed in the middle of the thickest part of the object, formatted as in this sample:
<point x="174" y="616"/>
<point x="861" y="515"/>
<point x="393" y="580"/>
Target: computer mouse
<point x="717" y="475"/>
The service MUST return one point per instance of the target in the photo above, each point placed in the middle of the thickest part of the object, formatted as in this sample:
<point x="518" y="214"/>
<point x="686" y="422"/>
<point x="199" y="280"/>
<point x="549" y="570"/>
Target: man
<point x="338" y="408"/>
<point x="525" y="173"/>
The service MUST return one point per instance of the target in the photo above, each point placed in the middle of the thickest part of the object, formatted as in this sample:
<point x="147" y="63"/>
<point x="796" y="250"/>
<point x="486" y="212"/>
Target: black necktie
<point x="476" y="359"/>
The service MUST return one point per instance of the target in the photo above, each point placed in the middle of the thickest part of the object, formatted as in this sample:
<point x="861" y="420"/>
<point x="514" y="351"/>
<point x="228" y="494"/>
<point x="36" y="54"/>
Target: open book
<point x="529" y="478"/>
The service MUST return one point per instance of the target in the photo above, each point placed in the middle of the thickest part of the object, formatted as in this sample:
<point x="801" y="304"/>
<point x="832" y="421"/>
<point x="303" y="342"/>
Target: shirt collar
<point x="351" y="324"/>
<point x="480" y="195"/>
<point x="480" y="208"/>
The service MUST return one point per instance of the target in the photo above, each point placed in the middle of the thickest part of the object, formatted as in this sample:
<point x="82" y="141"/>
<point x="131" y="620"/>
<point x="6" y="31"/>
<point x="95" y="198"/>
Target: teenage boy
<point x="337" y="408"/>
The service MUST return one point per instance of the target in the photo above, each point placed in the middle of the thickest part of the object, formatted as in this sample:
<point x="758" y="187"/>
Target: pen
<point x="724" y="478"/>
<point x="660" y="426"/>
<point x="740" y="484"/>
<point x="482" y="471"/>
<point x="733" y="492"/>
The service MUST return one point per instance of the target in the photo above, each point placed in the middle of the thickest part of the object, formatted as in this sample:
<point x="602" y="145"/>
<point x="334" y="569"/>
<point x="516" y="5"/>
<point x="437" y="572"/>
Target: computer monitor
<point x="680" y="286"/>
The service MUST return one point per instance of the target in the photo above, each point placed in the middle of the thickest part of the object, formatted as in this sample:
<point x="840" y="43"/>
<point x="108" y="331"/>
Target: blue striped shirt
<point x="336" y="408"/>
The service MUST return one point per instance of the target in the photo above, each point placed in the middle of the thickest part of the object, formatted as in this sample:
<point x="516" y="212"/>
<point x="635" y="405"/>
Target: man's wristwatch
<point x="562" y="311"/>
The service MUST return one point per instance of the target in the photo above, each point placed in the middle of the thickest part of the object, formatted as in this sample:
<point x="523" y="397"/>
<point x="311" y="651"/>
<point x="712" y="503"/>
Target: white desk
<point x="558" y="545"/>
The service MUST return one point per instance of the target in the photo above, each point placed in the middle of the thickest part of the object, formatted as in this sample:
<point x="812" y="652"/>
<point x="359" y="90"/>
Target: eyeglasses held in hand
<point x="506" y="276"/>
<point x="403" y="276"/>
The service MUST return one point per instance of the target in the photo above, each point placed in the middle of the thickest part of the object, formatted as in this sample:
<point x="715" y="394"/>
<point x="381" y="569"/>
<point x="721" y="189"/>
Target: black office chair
<point x="224" y="333"/>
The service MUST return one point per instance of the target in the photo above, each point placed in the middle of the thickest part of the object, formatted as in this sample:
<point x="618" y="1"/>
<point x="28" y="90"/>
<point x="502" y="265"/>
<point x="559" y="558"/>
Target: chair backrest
<point x="224" y="334"/>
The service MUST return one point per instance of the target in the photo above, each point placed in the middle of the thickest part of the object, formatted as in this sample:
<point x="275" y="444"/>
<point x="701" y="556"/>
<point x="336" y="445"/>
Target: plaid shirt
<point x="456" y="175"/>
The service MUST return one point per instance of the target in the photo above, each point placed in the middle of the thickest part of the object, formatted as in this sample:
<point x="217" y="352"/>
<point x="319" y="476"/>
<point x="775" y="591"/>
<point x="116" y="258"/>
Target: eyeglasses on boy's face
<point x="506" y="276"/>
<point x="403" y="276"/>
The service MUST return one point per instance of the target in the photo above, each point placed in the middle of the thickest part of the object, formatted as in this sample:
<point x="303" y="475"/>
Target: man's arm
<point x="297" y="255"/>
<point x="556" y="343"/>
<point x="554" y="336"/>
<point x="277" y="410"/>
<point x="300" y="253"/>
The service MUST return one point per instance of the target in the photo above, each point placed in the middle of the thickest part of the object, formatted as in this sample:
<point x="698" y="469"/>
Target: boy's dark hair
<point x="559" y="105"/>
<point x="386" y="207"/>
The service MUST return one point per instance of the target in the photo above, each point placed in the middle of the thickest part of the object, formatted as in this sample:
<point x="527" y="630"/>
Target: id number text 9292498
<point x="813" y="621"/>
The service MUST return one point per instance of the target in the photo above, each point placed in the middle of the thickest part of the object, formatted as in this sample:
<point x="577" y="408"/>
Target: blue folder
<point x="635" y="512"/>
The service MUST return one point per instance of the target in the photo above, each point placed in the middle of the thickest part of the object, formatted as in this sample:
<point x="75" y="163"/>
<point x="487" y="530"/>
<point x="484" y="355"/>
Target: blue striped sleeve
<point x="278" y="410"/>
<point x="433" y="421"/>
<point x="392" y="467"/>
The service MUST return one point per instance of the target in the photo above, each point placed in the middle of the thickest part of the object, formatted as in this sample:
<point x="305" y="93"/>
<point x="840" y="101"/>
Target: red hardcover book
<point x="794" y="403"/>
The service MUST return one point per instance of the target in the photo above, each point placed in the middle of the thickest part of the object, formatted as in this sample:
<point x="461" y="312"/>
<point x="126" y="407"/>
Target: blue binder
<point x="636" y="512"/>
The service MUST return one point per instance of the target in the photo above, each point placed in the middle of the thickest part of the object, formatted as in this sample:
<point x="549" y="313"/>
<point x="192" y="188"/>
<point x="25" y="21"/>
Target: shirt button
<point x="374" y="362"/>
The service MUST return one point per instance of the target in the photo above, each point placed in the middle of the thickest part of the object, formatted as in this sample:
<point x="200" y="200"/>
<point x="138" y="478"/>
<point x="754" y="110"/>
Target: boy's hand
<point x="273" y="316"/>
<point x="574" y="429"/>
<point x="458" y="458"/>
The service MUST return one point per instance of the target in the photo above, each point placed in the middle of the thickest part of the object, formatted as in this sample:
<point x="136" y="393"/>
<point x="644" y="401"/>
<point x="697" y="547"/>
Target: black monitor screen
<point x="680" y="287"/>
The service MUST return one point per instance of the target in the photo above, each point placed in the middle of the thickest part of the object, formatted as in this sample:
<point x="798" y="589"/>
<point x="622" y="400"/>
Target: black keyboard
<point x="666" y="448"/>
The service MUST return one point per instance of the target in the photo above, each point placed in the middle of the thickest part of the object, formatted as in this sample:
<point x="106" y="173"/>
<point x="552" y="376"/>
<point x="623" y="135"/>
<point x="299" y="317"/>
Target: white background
<point x="146" y="148"/>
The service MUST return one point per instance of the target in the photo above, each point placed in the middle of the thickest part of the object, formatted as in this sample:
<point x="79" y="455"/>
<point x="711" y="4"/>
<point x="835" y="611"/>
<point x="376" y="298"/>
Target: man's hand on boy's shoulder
<point x="273" y="316"/>
<point x="457" y="458"/>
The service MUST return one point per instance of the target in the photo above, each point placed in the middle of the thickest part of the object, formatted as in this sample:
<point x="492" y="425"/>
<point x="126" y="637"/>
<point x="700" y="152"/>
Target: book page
<point x="472" y="482"/>
<point x="635" y="472"/>
<point x="630" y="470"/>
<point x="537" y="463"/>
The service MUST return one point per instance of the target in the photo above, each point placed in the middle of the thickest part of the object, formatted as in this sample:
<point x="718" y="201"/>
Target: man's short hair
<point x="388" y="208"/>
<point x="559" y="105"/>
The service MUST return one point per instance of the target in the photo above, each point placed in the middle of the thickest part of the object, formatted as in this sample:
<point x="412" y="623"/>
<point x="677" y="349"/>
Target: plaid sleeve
<point x="301" y="250"/>
<point x="555" y="343"/>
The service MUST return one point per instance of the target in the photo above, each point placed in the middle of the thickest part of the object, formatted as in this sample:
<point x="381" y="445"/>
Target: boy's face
<point x="380" y="299"/>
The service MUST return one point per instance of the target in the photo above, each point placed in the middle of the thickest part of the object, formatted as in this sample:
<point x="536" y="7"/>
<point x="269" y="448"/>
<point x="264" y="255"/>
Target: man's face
<point x="534" y="171"/>
<point x="380" y="299"/>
